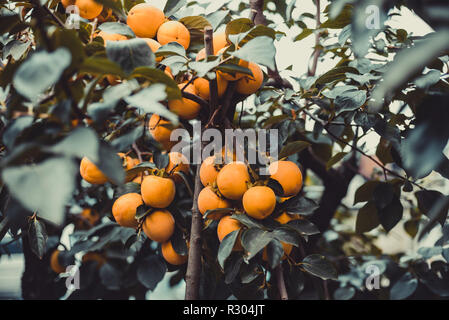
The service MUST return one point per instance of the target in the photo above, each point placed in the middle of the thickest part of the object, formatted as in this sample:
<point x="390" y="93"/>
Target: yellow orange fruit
<point x="208" y="173"/>
<point x="89" y="9"/>
<point x="145" y="20"/>
<point x="159" y="225"/>
<point x="160" y="129"/>
<point x="232" y="180"/>
<point x="186" y="109"/>
<point x="55" y="265"/>
<point x="259" y="202"/>
<point x="111" y="36"/>
<point x="203" y="90"/>
<point x="154" y="45"/>
<point x="250" y="84"/>
<point x="66" y="3"/>
<point x="158" y="192"/>
<point x="289" y="176"/>
<point x="90" y="172"/>
<point x="226" y="225"/>
<point x="173" y="31"/>
<point x="170" y="254"/>
<point x="124" y="209"/>
<point x="209" y="200"/>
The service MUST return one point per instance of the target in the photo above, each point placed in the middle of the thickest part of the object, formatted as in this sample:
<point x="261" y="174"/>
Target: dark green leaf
<point x="404" y="287"/>
<point x="292" y="148"/>
<point x="37" y="234"/>
<point x="130" y="54"/>
<point x="319" y="266"/>
<point x="226" y="246"/>
<point x="151" y="271"/>
<point x="367" y="218"/>
<point x="254" y="240"/>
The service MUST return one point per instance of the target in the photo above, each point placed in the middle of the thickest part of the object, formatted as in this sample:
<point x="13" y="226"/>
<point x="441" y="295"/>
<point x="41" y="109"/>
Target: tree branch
<point x="213" y="88"/>
<point x="316" y="53"/>
<point x="194" y="262"/>
<point x="281" y="282"/>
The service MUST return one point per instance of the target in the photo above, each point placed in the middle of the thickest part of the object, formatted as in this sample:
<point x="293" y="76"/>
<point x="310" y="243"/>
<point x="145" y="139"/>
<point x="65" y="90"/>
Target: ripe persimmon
<point x="203" y="90"/>
<point x="90" y="172"/>
<point x="157" y="192"/>
<point x="259" y="202"/>
<point x="208" y="172"/>
<point x="55" y="265"/>
<point x="171" y="256"/>
<point x="177" y="163"/>
<point x="145" y="20"/>
<point x="89" y="9"/>
<point x="124" y="209"/>
<point x="209" y="200"/>
<point x="226" y="225"/>
<point x="87" y="219"/>
<point x="106" y="36"/>
<point x="232" y="180"/>
<point x="173" y="31"/>
<point x="154" y="45"/>
<point x="66" y="3"/>
<point x="159" y="225"/>
<point x="159" y="129"/>
<point x="288" y="174"/>
<point x="249" y="84"/>
<point x="185" y="108"/>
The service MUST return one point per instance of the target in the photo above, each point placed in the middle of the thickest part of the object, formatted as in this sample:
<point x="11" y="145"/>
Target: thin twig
<point x="316" y="53"/>
<point x="281" y="282"/>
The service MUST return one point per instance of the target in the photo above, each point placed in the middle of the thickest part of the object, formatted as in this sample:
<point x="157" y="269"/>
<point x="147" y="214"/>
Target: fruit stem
<point x="280" y="282"/>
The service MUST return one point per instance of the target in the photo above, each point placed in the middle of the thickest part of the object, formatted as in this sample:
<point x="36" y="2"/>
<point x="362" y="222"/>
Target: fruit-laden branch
<point x="203" y="103"/>
<point x="257" y="17"/>
<point x="194" y="263"/>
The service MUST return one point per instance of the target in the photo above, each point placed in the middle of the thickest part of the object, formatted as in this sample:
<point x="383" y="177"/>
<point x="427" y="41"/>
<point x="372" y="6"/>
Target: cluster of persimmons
<point x="226" y="184"/>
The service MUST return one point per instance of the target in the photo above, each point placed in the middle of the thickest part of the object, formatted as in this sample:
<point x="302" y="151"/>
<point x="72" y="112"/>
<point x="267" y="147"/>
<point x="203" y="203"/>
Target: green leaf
<point x="218" y="212"/>
<point x="98" y="66"/>
<point x="195" y="22"/>
<point x="427" y="80"/>
<point x="367" y="218"/>
<point x="365" y="191"/>
<point x="336" y="74"/>
<point x="203" y="67"/>
<point x="304" y="34"/>
<point x="391" y="214"/>
<point x="247" y="221"/>
<point x="82" y="142"/>
<point x="172" y="6"/>
<point x="171" y="48"/>
<point x="139" y="168"/>
<point x="45" y="187"/>
<point x="299" y="205"/>
<point x="293" y="147"/>
<point x="110" y="164"/>
<point x="130" y="187"/>
<point x="404" y="287"/>
<point x="130" y="54"/>
<point x="117" y="28"/>
<point x="335" y="159"/>
<point x="217" y="17"/>
<point x="254" y="240"/>
<point x="158" y="76"/>
<point x="344" y="293"/>
<point x="40" y="72"/>
<point x="303" y="227"/>
<point x="226" y="246"/>
<point x="350" y="100"/>
<point x="275" y="252"/>
<point x="319" y="266"/>
<point x="258" y="50"/>
<point x="148" y="101"/>
<point x="37" y="237"/>
<point x="410" y="61"/>
<point x="238" y="26"/>
<point x="427" y="199"/>
<point x="287" y="235"/>
<point x="151" y="271"/>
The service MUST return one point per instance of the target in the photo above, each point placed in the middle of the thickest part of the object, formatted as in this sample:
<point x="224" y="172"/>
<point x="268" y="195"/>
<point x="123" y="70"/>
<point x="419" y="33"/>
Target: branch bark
<point x="281" y="282"/>
<point x="194" y="263"/>
<point x="316" y="53"/>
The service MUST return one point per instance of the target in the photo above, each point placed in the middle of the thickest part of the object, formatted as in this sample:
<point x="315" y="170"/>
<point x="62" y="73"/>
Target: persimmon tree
<point x="89" y="105"/>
